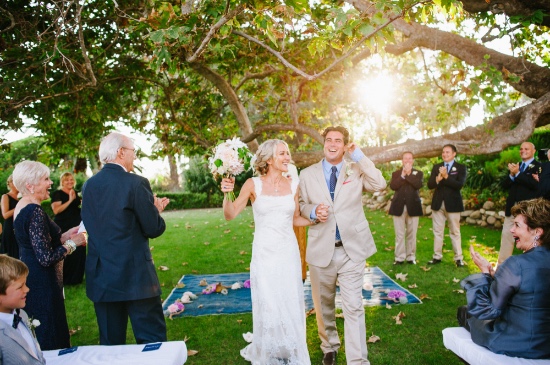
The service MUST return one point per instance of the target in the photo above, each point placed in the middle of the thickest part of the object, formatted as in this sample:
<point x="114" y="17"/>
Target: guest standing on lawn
<point x="509" y="311"/>
<point x="42" y="248"/>
<point x="278" y="309"/>
<point x="330" y="194"/>
<point x="66" y="207"/>
<point x="446" y="180"/>
<point x="522" y="184"/>
<point x="405" y="208"/>
<point x="121" y="213"/>
<point x="9" y="201"/>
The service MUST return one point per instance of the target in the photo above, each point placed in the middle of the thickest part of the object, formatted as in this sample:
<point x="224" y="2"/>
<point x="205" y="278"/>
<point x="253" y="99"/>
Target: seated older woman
<point x="509" y="310"/>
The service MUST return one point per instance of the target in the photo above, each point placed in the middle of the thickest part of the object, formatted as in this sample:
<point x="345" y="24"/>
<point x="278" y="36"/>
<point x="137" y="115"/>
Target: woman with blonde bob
<point x="508" y="310"/>
<point x="42" y="247"/>
<point x="278" y="309"/>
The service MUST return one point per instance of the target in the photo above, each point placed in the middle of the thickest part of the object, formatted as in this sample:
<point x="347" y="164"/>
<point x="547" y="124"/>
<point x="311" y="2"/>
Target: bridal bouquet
<point x="230" y="159"/>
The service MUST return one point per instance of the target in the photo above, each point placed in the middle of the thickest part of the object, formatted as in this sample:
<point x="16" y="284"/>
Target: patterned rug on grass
<point x="238" y="300"/>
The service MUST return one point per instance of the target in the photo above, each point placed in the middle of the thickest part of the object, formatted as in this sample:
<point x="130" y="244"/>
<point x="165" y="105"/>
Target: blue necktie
<point x="16" y="319"/>
<point x="447" y="167"/>
<point x="332" y="187"/>
<point x="522" y="167"/>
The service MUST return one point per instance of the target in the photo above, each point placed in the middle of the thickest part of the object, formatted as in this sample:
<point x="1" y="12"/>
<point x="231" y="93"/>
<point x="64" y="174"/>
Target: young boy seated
<point x="17" y="342"/>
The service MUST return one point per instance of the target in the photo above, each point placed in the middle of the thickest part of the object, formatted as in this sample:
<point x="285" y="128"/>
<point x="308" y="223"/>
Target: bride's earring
<point x="536" y="241"/>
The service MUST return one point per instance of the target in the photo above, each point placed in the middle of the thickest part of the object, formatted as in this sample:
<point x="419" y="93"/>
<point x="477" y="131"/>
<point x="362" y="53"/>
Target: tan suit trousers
<point x="438" y="219"/>
<point x="349" y="275"/>
<point x="405" y="228"/>
<point x="506" y="240"/>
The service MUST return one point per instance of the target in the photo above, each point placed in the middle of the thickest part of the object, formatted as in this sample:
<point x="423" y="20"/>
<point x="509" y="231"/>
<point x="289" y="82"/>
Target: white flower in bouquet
<point x="231" y="158"/>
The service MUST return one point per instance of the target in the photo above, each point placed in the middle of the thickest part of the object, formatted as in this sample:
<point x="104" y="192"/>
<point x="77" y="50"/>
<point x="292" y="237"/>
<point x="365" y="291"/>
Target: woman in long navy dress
<point x="9" y="201"/>
<point x="42" y="248"/>
<point x="66" y="207"/>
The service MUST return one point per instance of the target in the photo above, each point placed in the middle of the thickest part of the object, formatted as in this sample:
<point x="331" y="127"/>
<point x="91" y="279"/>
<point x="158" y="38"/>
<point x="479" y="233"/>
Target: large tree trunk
<point x="232" y="99"/>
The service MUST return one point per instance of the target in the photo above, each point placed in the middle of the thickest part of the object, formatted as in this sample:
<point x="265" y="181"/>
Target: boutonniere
<point x="453" y="168"/>
<point x="531" y="165"/>
<point x="32" y="324"/>
<point x="415" y="172"/>
<point x="349" y="169"/>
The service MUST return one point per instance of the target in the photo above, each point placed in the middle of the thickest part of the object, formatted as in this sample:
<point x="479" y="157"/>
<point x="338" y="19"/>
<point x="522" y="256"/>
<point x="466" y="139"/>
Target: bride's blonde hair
<point x="267" y="150"/>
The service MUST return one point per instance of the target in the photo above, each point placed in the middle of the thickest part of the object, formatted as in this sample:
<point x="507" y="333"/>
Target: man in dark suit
<point x="521" y="185"/>
<point x="121" y="214"/>
<point x="447" y="178"/>
<point x="405" y="208"/>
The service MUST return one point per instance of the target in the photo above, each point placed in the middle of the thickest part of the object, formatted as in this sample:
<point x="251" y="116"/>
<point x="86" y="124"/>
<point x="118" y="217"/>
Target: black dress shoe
<point x="398" y="262"/>
<point x="412" y="262"/>
<point x="329" y="358"/>
<point x="460" y="263"/>
<point x="434" y="261"/>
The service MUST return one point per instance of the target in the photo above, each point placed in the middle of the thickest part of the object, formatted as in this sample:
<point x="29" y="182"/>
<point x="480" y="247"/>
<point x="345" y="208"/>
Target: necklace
<point x="275" y="183"/>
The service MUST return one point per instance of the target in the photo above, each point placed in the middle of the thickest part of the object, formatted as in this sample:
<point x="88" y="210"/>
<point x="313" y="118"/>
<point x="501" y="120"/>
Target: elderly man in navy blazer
<point x="447" y="179"/>
<point x="405" y="208"/>
<point x="121" y="214"/>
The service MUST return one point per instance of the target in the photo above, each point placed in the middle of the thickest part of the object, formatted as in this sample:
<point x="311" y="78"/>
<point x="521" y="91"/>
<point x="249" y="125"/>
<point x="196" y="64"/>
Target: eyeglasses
<point x="134" y="150"/>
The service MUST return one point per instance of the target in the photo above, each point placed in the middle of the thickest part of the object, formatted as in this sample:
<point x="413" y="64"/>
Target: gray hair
<point x="29" y="172"/>
<point x="267" y="150"/>
<point x="110" y="145"/>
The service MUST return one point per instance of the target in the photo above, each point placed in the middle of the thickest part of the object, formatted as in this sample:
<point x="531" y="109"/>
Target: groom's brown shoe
<point x="329" y="358"/>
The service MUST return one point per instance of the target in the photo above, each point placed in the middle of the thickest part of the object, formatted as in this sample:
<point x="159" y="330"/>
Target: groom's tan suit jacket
<point x="346" y="210"/>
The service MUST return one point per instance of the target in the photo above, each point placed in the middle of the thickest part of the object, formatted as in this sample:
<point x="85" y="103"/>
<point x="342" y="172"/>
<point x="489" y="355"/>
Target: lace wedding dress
<point x="278" y="310"/>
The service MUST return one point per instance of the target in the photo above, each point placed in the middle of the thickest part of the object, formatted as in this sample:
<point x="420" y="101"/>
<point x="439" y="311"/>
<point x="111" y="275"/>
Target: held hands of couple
<point x="322" y="212"/>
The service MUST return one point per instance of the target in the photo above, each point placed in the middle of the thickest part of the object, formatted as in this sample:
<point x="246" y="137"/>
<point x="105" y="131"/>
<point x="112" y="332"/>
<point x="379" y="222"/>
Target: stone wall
<point x="484" y="217"/>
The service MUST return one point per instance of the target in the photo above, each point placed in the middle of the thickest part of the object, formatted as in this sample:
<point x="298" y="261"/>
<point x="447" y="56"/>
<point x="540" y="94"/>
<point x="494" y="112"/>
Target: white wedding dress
<point x="278" y="309"/>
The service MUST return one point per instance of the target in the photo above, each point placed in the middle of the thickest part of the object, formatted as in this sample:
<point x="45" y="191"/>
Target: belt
<point x="338" y="244"/>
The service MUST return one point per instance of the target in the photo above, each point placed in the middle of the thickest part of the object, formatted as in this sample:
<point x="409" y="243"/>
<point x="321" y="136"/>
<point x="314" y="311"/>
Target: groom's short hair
<point x="338" y="128"/>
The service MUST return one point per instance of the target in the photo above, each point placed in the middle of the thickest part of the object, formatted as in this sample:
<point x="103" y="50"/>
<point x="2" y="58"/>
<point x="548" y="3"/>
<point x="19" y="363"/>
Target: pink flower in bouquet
<point x="247" y="284"/>
<point x="231" y="158"/>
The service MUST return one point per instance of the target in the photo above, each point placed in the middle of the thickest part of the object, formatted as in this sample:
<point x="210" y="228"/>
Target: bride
<point x="278" y="310"/>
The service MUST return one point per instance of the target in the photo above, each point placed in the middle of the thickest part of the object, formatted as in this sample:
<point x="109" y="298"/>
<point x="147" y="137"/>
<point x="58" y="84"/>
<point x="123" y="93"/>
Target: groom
<point x="330" y="194"/>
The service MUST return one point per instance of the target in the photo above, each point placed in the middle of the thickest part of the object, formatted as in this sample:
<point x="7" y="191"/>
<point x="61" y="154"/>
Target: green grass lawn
<point x="202" y="242"/>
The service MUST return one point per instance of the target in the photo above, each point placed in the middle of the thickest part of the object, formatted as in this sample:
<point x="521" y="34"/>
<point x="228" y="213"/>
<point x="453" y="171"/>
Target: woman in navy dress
<point x="66" y="207"/>
<point x="42" y="248"/>
<point x="510" y="309"/>
<point x="9" y="201"/>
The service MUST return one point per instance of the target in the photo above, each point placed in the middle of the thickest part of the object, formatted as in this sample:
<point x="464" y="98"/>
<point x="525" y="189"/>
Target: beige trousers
<point x="405" y="228"/>
<point x="349" y="275"/>
<point x="506" y="240"/>
<point x="438" y="219"/>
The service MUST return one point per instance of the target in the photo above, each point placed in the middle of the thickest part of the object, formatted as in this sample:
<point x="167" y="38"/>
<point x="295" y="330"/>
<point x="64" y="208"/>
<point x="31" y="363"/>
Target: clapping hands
<point x="161" y="203"/>
<point x="481" y="262"/>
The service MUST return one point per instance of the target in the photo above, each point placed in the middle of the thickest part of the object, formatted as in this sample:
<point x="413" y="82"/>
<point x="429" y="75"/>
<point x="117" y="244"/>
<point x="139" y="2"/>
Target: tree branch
<point x="12" y="20"/>
<point x="307" y="76"/>
<point x="224" y="19"/>
<point x="83" y="49"/>
<point x="299" y="128"/>
<point x="257" y="76"/>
